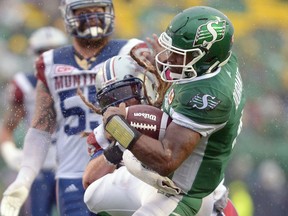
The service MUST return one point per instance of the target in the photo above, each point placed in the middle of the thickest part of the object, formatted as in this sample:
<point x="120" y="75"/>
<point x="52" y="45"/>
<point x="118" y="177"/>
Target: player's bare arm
<point x="153" y="41"/>
<point x="96" y="168"/>
<point x="45" y="116"/>
<point x="165" y="156"/>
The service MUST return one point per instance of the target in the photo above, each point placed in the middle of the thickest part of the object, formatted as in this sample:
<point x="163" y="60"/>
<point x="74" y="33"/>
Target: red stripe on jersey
<point x="40" y="69"/>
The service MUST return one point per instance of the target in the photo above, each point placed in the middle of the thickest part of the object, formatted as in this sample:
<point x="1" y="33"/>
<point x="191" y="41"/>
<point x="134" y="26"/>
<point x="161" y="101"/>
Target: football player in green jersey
<point x="205" y="101"/>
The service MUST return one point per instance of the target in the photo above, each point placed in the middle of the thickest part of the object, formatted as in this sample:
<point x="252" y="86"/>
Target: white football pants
<point x="121" y="194"/>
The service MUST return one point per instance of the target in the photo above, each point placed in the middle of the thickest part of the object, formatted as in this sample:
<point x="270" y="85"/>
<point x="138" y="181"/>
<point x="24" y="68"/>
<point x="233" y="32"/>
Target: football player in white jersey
<point x="60" y="73"/>
<point x="120" y="79"/>
<point x="184" y="172"/>
<point x="21" y="101"/>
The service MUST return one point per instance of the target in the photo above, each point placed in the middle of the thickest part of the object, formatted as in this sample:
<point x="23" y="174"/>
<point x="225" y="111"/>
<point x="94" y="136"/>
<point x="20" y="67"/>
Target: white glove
<point x="135" y="167"/>
<point x="16" y="194"/>
<point x="99" y="133"/>
<point x="11" y="155"/>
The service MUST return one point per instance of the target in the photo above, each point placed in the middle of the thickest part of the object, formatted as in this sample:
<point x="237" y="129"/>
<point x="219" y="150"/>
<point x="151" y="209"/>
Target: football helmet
<point x="203" y="36"/>
<point x="119" y="79"/>
<point x="46" y="38"/>
<point x="88" y="25"/>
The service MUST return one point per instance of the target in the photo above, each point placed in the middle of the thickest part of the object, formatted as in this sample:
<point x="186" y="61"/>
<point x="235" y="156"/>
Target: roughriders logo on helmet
<point x="209" y="33"/>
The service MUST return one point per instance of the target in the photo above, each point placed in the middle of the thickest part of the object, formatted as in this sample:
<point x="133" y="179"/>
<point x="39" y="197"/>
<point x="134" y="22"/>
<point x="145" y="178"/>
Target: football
<point x="148" y="120"/>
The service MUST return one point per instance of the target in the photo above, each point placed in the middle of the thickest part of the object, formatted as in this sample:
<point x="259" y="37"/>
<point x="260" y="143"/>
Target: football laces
<point x="143" y="126"/>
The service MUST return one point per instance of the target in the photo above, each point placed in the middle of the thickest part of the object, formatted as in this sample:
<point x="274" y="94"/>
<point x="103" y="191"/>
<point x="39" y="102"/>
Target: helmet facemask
<point x="203" y="36"/>
<point x="186" y="70"/>
<point x="121" y="79"/>
<point x="119" y="92"/>
<point x="89" y="25"/>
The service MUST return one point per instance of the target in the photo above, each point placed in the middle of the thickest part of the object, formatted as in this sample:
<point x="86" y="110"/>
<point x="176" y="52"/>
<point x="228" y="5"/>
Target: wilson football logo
<point x="146" y="116"/>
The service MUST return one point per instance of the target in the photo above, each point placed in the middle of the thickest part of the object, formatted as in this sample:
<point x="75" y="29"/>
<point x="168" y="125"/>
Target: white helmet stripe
<point x="109" y="70"/>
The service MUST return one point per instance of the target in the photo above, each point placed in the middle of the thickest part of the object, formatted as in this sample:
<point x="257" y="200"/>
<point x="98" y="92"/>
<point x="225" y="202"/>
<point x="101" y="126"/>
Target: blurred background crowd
<point x="258" y="173"/>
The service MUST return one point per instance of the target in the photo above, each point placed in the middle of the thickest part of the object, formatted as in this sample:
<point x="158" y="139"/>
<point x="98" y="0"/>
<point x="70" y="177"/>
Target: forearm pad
<point x="113" y="154"/>
<point x="122" y="131"/>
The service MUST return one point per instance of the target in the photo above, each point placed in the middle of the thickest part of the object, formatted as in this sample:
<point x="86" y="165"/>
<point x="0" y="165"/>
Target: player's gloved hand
<point x="11" y="155"/>
<point x="92" y="144"/>
<point x="149" y="176"/>
<point x="97" y="140"/>
<point x="16" y="194"/>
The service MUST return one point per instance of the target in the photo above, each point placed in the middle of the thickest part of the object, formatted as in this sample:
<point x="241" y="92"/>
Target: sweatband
<point x="121" y="131"/>
<point x="36" y="145"/>
<point x="113" y="154"/>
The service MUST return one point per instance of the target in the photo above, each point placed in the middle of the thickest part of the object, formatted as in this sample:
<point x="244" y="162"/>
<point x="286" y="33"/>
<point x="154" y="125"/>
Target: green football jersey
<point x="211" y="105"/>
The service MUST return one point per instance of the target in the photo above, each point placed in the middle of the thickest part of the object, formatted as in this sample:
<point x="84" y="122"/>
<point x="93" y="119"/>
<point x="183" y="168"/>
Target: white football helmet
<point x="46" y="38"/>
<point x="84" y="25"/>
<point x="120" y="78"/>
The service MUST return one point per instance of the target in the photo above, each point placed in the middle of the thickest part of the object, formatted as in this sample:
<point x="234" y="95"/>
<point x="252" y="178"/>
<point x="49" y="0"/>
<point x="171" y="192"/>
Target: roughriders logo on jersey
<point x="204" y="102"/>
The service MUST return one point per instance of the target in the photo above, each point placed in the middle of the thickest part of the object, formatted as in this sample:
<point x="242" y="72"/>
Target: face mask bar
<point x="82" y="27"/>
<point x="186" y="70"/>
<point x="120" y="91"/>
<point x="163" y="66"/>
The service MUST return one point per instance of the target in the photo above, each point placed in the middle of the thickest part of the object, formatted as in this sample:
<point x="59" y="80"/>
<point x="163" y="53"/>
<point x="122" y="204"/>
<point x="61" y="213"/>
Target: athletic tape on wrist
<point x="113" y="154"/>
<point x="118" y="128"/>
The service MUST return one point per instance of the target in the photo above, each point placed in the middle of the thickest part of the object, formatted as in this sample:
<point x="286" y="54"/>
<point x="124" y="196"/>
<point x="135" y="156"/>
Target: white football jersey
<point x="63" y="75"/>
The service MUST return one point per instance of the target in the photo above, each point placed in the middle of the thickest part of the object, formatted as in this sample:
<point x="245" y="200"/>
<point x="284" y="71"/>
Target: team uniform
<point x="211" y="104"/>
<point x="63" y="71"/>
<point x="43" y="190"/>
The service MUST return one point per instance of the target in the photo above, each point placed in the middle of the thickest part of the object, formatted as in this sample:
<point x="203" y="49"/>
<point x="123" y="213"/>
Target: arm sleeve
<point x="36" y="145"/>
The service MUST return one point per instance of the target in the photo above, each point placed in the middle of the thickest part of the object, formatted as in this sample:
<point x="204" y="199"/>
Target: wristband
<point x="113" y="154"/>
<point x="96" y="154"/>
<point x="122" y="131"/>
